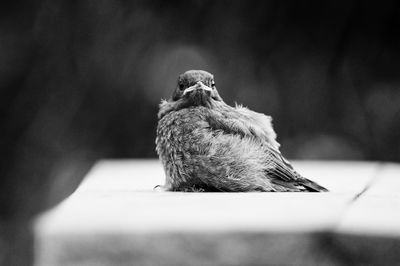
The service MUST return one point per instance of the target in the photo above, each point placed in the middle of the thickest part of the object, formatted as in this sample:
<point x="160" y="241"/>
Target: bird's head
<point x="196" y="87"/>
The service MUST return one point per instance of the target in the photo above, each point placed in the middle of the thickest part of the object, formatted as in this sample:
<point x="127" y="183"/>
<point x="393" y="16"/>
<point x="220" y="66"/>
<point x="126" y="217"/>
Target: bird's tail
<point x="312" y="186"/>
<point x="289" y="177"/>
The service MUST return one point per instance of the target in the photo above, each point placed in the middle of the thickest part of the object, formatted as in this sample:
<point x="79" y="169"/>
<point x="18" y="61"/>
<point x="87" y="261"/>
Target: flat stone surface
<point x="339" y="176"/>
<point x="377" y="210"/>
<point x="373" y="215"/>
<point x="195" y="212"/>
<point x="116" y="218"/>
<point x="387" y="183"/>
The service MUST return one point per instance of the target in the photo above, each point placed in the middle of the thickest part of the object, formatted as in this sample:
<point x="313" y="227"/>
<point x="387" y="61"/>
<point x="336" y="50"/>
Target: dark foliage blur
<point x="81" y="80"/>
<point x="93" y="72"/>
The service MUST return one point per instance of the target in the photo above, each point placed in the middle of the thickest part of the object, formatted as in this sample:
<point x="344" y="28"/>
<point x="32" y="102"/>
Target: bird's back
<point x="194" y="154"/>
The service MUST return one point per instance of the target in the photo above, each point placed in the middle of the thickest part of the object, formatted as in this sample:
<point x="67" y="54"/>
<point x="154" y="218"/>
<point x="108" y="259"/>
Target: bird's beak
<point x="199" y="86"/>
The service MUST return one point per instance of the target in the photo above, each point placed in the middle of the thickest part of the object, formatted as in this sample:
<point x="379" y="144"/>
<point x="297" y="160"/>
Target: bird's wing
<point x="260" y="124"/>
<point x="242" y="121"/>
<point x="280" y="172"/>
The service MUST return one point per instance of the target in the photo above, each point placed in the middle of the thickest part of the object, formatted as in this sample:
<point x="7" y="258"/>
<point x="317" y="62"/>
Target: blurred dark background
<point x="81" y="80"/>
<point x="328" y="72"/>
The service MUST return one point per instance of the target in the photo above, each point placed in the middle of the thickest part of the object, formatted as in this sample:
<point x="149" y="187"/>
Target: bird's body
<point x="207" y="145"/>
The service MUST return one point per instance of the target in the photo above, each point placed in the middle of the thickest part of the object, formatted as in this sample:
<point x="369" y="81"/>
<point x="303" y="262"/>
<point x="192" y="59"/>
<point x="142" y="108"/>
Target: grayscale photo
<point x="199" y="133"/>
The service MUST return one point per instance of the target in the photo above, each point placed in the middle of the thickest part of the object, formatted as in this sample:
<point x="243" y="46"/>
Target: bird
<point x="206" y="145"/>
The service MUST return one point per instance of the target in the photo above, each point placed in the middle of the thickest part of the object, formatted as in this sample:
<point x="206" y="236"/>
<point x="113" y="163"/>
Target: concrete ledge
<point x="115" y="218"/>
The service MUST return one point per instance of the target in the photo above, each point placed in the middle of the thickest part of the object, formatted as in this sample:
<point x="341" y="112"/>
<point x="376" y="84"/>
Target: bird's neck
<point x="170" y="106"/>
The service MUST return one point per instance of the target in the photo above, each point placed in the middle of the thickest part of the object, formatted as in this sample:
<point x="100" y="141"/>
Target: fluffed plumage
<point x="206" y="145"/>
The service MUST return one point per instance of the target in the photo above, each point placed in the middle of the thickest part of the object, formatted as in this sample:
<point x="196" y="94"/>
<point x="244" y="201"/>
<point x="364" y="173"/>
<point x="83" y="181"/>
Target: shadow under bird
<point x="206" y="145"/>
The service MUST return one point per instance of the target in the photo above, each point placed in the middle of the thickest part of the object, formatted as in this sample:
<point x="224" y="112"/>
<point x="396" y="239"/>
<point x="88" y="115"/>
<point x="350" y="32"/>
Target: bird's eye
<point x="181" y="86"/>
<point x="213" y="84"/>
